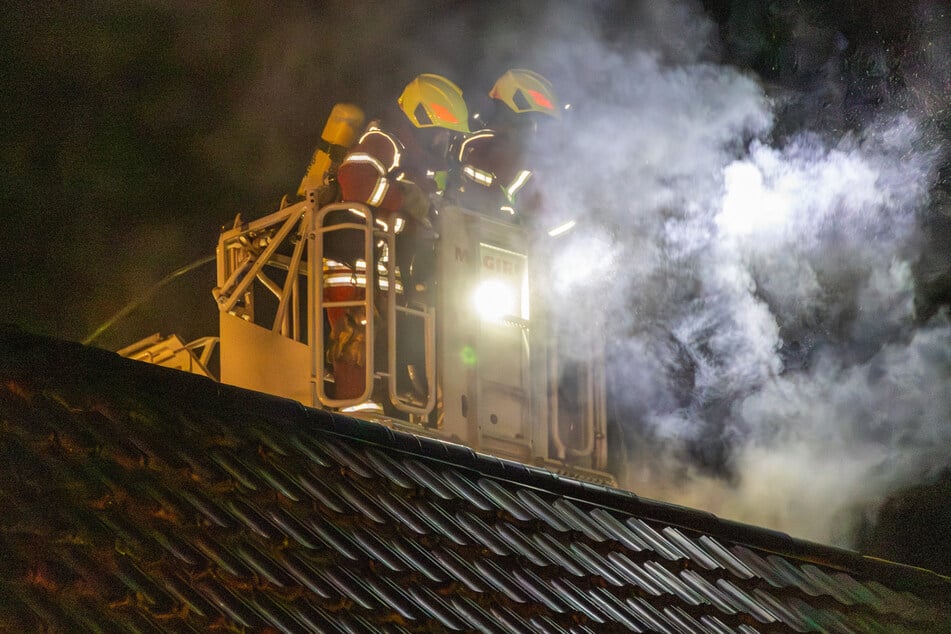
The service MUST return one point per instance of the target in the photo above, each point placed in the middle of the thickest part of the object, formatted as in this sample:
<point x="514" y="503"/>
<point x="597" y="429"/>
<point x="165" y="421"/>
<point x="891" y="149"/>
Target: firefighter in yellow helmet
<point x="491" y="164"/>
<point x="392" y="169"/>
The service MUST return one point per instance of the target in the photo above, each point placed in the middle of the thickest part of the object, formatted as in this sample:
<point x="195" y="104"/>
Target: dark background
<point x="132" y="131"/>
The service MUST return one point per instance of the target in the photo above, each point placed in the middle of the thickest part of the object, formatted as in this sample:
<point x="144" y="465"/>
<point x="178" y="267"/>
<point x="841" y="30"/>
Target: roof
<point x="138" y="498"/>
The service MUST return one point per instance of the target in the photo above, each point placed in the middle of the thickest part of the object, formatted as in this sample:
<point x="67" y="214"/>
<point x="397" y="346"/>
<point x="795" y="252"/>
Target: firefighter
<point x="394" y="170"/>
<point x="491" y="170"/>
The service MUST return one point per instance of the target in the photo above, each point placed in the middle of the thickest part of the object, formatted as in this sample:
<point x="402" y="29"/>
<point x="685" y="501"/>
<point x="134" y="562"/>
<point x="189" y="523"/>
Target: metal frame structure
<point x="248" y="255"/>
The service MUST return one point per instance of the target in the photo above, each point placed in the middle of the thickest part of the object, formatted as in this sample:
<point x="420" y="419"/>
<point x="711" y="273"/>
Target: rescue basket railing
<point x="426" y="314"/>
<point x="272" y="254"/>
<point x="362" y="220"/>
<point x="247" y="250"/>
<point x="593" y="416"/>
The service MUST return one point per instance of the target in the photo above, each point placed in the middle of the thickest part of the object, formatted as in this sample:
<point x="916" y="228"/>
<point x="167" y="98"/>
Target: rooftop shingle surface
<point x="141" y="499"/>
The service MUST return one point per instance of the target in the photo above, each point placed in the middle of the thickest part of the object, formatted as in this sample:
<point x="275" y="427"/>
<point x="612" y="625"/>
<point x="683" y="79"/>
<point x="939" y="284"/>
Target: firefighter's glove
<point x="349" y="339"/>
<point x="415" y="201"/>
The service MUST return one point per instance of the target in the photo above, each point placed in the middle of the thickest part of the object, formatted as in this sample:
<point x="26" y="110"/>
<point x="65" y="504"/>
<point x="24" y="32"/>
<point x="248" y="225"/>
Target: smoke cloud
<point x="757" y="286"/>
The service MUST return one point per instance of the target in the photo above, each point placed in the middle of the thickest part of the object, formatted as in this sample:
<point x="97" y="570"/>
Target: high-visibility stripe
<point x="382" y="185"/>
<point x="481" y="177"/>
<point x="518" y="183"/>
<point x="484" y="134"/>
<point x="397" y="148"/>
<point x="363" y="157"/>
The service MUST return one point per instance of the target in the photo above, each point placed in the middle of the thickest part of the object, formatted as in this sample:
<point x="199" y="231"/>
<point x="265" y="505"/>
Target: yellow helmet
<point x="434" y="101"/>
<point x="526" y="91"/>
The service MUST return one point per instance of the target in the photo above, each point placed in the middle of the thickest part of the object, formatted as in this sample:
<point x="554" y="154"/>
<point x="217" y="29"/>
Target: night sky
<point x="770" y="181"/>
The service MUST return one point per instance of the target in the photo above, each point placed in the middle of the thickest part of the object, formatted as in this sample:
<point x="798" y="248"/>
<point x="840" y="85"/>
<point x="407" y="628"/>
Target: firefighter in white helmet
<point x="491" y="164"/>
<point x="394" y="169"/>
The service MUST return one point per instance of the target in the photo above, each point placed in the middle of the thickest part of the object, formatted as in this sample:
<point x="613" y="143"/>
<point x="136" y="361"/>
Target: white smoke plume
<point x="766" y="356"/>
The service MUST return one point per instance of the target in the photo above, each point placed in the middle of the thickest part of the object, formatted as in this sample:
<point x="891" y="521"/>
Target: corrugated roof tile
<point x="209" y="509"/>
<point x="402" y="512"/>
<point x="507" y="501"/>
<point x="236" y="468"/>
<point x="537" y="588"/>
<point x="350" y="586"/>
<point x="360" y="499"/>
<point x="760" y="567"/>
<point x="263" y="565"/>
<point x="617" y="610"/>
<point x="441" y="522"/>
<point x="310" y="447"/>
<point x="275" y="614"/>
<point x="293" y="528"/>
<point x="460" y="570"/>
<point x="716" y="626"/>
<point x="791" y="575"/>
<point x="781" y="610"/>
<point x="542" y="510"/>
<point x="320" y="492"/>
<point x="727" y="559"/>
<point x="557" y="553"/>
<point x="579" y="520"/>
<point x="280" y="481"/>
<point x="482" y="533"/>
<point x="545" y="625"/>
<point x="347" y="459"/>
<point x="377" y="550"/>
<point x="826" y="584"/>
<point x="580" y="602"/>
<point x="657" y="542"/>
<point x="682" y="621"/>
<point x="428" y="478"/>
<point x="305" y="573"/>
<point x="747" y="603"/>
<point x="595" y="563"/>
<point x="393" y="595"/>
<point x="619" y="531"/>
<point x="179" y="549"/>
<point x="181" y="587"/>
<point x="634" y="574"/>
<point x="476" y="616"/>
<point x="333" y="537"/>
<point x="648" y="614"/>
<point x="155" y="503"/>
<point x="500" y="579"/>
<point x="229" y="605"/>
<point x="519" y="542"/>
<point x="468" y="491"/>
<point x="389" y="468"/>
<point x="512" y="622"/>
<point x="694" y="551"/>
<point x="672" y="584"/>
<point x="249" y="515"/>
<point x="708" y="591"/>
<point x="225" y="560"/>
<point x="419" y="559"/>
<point x="438" y="608"/>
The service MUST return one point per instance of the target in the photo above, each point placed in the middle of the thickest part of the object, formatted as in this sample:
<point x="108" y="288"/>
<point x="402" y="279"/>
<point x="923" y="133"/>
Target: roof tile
<point x="142" y="499"/>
